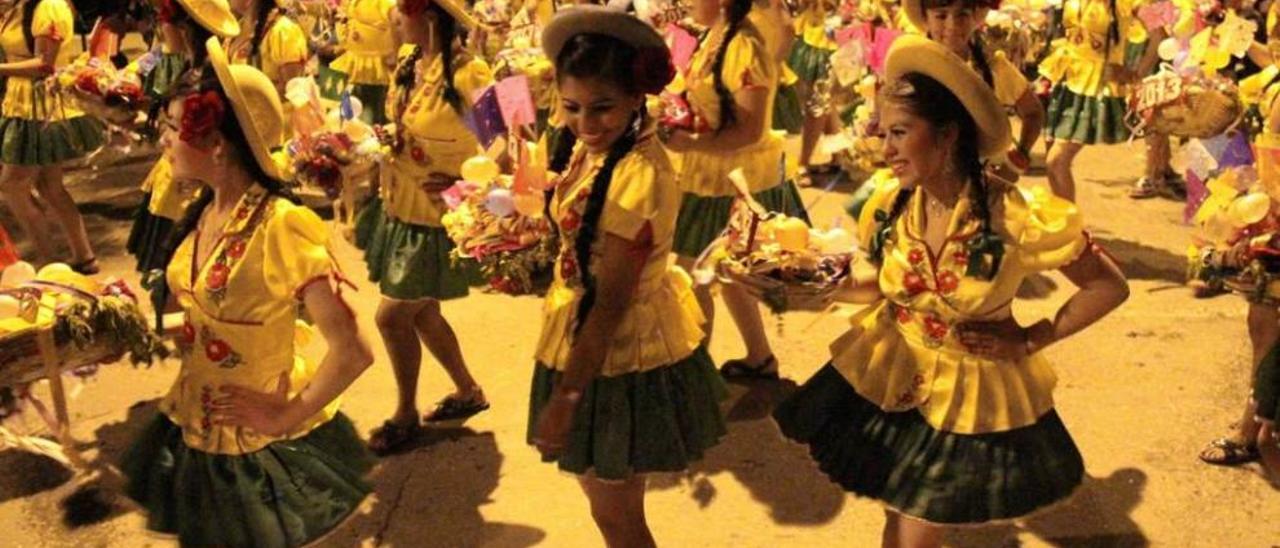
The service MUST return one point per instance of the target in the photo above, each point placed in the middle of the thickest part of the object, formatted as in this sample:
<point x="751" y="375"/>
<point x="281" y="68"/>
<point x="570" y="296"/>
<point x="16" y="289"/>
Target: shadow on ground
<point x="1143" y="262"/>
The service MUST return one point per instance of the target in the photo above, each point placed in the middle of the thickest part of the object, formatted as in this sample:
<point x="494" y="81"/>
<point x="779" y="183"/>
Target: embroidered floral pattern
<point x="233" y="249"/>
<point x="570" y="224"/>
<point x="219" y="351"/>
<point x="186" y="338"/>
<point x="206" y="411"/>
<point x="948" y="281"/>
<point x="935" y="330"/>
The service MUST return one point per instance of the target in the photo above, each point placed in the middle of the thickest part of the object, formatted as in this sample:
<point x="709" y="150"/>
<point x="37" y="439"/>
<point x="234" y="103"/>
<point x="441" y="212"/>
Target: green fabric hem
<point x="1085" y="120"/>
<point x="38" y="143"/>
<point x="808" y="62"/>
<point x="703" y="218"/>
<point x="788" y="111"/>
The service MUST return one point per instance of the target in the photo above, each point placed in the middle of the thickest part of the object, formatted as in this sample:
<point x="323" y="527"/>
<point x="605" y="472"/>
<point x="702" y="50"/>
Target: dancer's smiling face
<point x="598" y="112"/>
<point x="915" y="149"/>
<point x="953" y="24"/>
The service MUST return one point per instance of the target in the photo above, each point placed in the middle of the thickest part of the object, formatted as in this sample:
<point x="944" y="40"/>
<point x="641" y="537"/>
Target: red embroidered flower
<point x="935" y="328"/>
<point x="218" y="275"/>
<point x="571" y="222"/>
<point x="961" y="257"/>
<point x="914" y="284"/>
<point x="418" y="155"/>
<point x="948" y="281"/>
<point x="201" y="114"/>
<point x="188" y="333"/>
<point x="217" y="350"/>
<point x="236" y="248"/>
<point x="902" y="314"/>
<point x="568" y="268"/>
<point x="915" y="256"/>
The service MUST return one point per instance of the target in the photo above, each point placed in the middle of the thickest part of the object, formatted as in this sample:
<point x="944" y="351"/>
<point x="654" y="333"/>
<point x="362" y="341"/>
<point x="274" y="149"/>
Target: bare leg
<point x="900" y="532"/>
<point x="16" y="183"/>
<point x="813" y="126"/>
<point x="1158" y="155"/>
<point x="618" y="510"/>
<point x="1061" y="155"/>
<point x="1264" y="333"/>
<point x="438" y="335"/>
<point x="1269" y="452"/>
<point x="395" y="320"/>
<point x="65" y="212"/>
<point x="705" y="301"/>
<point x="746" y="314"/>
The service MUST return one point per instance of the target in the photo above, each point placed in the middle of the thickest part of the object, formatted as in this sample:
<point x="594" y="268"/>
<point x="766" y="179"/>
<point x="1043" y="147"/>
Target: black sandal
<point x="741" y="369"/>
<point x="391" y="437"/>
<point x="87" y="267"/>
<point x="454" y="408"/>
<point x="1233" y="453"/>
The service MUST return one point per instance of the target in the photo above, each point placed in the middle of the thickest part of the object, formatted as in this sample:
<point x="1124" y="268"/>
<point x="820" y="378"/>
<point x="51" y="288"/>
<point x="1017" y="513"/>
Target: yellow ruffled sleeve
<point x="53" y="20"/>
<point x="632" y="202"/>
<point x="472" y="77"/>
<point x="1049" y="230"/>
<point x="285" y="44"/>
<point x="295" y="250"/>
<point x="1010" y="84"/>
<point x="748" y="64"/>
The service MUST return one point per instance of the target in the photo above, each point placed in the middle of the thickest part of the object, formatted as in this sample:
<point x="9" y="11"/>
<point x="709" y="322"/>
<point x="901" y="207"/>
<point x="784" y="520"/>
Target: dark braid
<point x="885" y="221"/>
<point x="28" y="17"/>
<point x="736" y="15"/>
<point x="264" y="12"/>
<point x="980" y="60"/>
<point x="986" y="248"/>
<point x="404" y="80"/>
<point x="448" y="31"/>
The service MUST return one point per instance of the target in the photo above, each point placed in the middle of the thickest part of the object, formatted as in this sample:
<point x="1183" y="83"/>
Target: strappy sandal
<point x="1227" y="452"/>
<point x="742" y="369"/>
<point x="1145" y="188"/>
<point x="392" y="437"/>
<point x="454" y="408"/>
<point x="87" y="267"/>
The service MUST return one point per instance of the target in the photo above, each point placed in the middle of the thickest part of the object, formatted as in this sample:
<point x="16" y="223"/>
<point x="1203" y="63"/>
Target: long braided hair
<point x="263" y="14"/>
<point x="928" y="99"/>
<point x="406" y="72"/>
<point x="735" y="16"/>
<point x="606" y="59"/>
<point x="977" y="50"/>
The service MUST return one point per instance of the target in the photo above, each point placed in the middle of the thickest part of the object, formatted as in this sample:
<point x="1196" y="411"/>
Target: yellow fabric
<point x="901" y="352"/>
<point x="435" y="139"/>
<point x="169" y="198"/>
<point x="52" y="19"/>
<point x="746" y="64"/>
<point x="774" y="34"/>
<point x="1077" y="59"/>
<point x="244" y="322"/>
<point x="369" y="42"/>
<point x="811" y="26"/>
<point x="283" y="43"/>
<point x="662" y="325"/>
<point x="1010" y="84"/>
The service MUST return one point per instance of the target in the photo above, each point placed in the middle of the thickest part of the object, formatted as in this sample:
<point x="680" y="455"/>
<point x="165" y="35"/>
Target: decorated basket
<point x="1182" y="105"/>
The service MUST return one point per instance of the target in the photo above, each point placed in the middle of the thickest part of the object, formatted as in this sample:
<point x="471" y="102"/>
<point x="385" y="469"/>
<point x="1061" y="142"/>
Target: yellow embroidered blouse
<point x="901" y="353"/>
<point x="369" y="42"/>
<point x="241" y="308"/>
<point x="662" y="326"/>
<point x="24" y="99"/>
<point x="747" y="63"/>
<point x="1077" y="59"/>
<point x="811" y="25"/>
<point x="435" y="139"/>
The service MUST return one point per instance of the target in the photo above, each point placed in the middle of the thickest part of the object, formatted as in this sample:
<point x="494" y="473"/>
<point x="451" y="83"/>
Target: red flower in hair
<point x="653" y="69"/>
<point x="165" y="11"/>
<point x="201" y="113"/>
<point x="413" y="7"/>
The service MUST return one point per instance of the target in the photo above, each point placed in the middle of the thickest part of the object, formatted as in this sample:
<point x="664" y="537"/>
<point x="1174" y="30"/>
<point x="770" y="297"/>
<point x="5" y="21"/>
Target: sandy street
<point x="1141" y="392"/>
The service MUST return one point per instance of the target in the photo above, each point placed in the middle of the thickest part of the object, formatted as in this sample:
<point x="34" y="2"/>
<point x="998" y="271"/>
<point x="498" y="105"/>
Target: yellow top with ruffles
<point x="1007" y="81"/>
<point x="1077" y="58"/>
<point x="774" y="32"/>
<point x="241" y="310"/>
<point x="369" y="42"/>
<point x="811" y="25"/>
<point x="283" y="43"/>
<point x="435" y="139"/>
<point x="662" y="324"/>
<point x="23" y="97"/>
<point x="747" y="64"/>
<point x="901" y="353"/>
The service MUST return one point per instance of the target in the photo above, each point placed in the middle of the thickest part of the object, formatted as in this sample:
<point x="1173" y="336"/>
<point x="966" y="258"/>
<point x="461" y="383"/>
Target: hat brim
<point x="222" y="25"/>
<point x="459" y="13"/>
<point x="589" y="19"/>
<point x="257" y="142"/>
<point x="915" y="13"/>
<point x="911" y="53"/>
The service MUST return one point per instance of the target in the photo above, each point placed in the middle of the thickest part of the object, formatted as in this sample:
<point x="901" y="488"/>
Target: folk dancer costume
<point x="369" y="49"/>
<point x="221" y="485"/>
<point x="903" y="412"/>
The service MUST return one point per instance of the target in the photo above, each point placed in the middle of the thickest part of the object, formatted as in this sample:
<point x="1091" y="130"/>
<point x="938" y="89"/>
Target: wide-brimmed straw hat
<point x="606" y="20"/>
<point x="915" y="11"/>
<point x="918" y="54"/>
<point x="214" y="15"/>
<point x="257" y="106"/>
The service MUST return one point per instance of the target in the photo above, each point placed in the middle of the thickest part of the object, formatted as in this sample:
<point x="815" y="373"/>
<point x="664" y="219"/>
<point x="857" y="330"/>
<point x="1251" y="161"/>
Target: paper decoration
<point x="516" y="101"/>
<point x="1198" y="160"/>
<point x="859" y="32"/>
<point x="848" y="62"/>
<point x="485" y="118"/>
<point x="1158" y="15"/>
<point x="1229" y="151"/>
<point x="1235" y="34"/>
<point x="1196" y="193"/>
<point x="884" y="38"/>
<point x="682" y="46"/>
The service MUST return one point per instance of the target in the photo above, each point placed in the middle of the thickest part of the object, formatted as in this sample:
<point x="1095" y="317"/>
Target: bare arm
<point x="862" y="286"/>
<point x="1102" y="288"/>
<point x="1031" y="112"/>
<point x="749" y="127"/>
<point x="40" y="65"/>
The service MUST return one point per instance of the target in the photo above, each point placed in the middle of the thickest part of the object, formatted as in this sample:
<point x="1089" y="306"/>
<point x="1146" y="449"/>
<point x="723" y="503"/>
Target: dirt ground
<point x="1141" y="392"/>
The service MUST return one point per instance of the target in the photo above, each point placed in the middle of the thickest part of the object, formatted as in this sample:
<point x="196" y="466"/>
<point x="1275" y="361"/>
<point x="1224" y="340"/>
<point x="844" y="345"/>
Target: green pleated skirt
<point x="660" y="420"/>
<point x="367" y="222"/>
<point x="26" y="142"/>
<point x="937" y="476"/>
<point x="147" y="237"/>
<point x="703" y="218"/>
<point x="411" y="262"/>
<point x="289" y="493"/>
<point x="1085" y="120"/>
<point x="808" y="62"/>
<point x="788" y="110"/>
<point x="1266" y="386"/>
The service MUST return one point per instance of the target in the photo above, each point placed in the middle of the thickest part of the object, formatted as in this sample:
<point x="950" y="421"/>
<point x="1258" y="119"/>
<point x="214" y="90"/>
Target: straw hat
<point x="459" y="11"/>
<point x="604" y="20"/>
<point x="256" y="104"/>
<point x="915" y="11"/>
<point x="911" y="53"/>
<point x="214" y="15"/>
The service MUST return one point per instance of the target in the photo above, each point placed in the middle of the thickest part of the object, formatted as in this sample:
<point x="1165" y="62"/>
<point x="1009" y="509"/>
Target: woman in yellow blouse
<point x="937" y="402"/>
<point x="249" y="448"/>
<point x="185" y="26"/>
<point x="1091" y="68"/>
<point x="623" y="386"/>
<point x="731" y="84"/>
<point x="406" y="247"/>
<point x="953" y="24"/>
<point x="270" y="40"/>
<point x="810" y="58"/>
<point x="369" y="52"/>
<point x="39" y="130"/>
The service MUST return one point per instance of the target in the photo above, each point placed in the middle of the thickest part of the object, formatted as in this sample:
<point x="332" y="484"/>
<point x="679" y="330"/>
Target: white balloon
<point x="1169" y="48"/>
<point x="17" y="274"/>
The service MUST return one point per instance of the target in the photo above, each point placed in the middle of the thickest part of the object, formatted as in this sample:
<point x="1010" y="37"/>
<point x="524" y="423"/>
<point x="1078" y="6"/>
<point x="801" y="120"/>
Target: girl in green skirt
<point x="623" y="387"/>
<point x="936" y="402"/>
<point x="39" y="130"/>
<point x="406" y="247"/>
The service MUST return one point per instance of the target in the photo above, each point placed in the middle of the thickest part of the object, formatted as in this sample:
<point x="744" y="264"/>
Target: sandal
<point x="392" y="437"/>
<point x="1145" y="188"/>
<point x="454" y="408"/>
<point x="741" y="369"/>
<point x="1227" y="452"/>
<point x="87" y="267"/>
